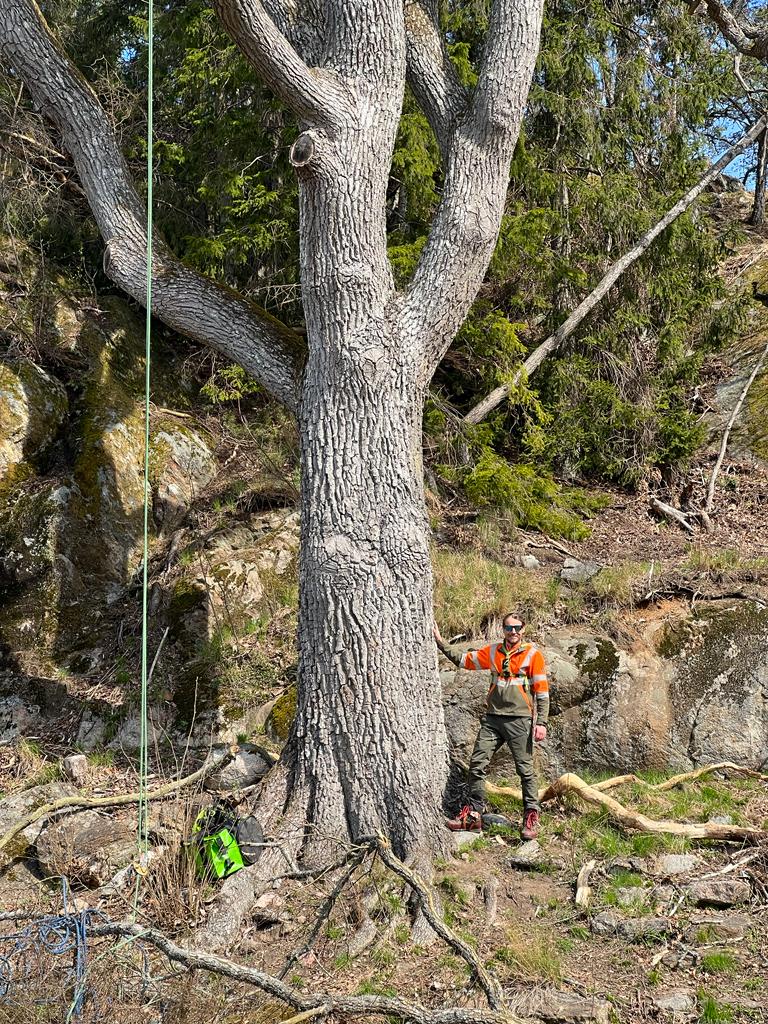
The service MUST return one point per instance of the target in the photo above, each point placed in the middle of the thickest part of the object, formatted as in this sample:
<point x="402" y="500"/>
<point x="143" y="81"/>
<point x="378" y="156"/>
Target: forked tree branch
<point x="466" y="225"/>
<point x="740" y="32"/>
<point x="310" y="93"/>
<point x="184" y="299"/>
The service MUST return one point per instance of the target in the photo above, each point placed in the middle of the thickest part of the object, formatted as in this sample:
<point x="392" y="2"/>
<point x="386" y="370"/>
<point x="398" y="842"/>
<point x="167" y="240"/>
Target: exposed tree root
<point x="320" y="1005"/>
<point x="114" y="801"/>
<point x="632" y="820"/>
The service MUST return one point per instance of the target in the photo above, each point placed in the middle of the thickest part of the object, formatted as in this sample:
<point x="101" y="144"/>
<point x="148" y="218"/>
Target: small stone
<point x="574" y="571"/>
<point x="734" y="927"/>
<point x="75" y="767"/>
<point x="669" y="864"/>
<point x="720" y="819"/>
<point x="462" y="838"/>
<point x="724" y="892"/>
<point x="677" y="1000"/>
<point x="631" y="896"/>
<point x="530" y="562"/>
<point x="561" y="1007"/>
<point x="611" y="923"/>
<point x="529" y="855"/>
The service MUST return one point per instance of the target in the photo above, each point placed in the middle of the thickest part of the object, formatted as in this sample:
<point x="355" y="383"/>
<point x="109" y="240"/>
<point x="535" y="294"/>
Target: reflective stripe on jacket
<point x="517" y="679"/>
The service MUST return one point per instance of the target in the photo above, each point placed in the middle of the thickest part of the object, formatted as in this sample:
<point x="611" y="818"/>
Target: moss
<point x="674" y="638"/>
<point x="757" y="416"/>
<point x="601" y="666"/>
<point x="283" y="714"/>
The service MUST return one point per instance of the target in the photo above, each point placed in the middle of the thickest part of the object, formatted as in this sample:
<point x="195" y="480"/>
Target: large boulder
<point x="692" y="693"/>
<point x="86" y="847"/>
<point x="182" y="464"/>
<point x="15" y="807"/>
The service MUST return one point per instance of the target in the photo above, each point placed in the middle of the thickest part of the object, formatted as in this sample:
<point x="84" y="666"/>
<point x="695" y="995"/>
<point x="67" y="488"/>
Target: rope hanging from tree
<point x="143" y="803"/>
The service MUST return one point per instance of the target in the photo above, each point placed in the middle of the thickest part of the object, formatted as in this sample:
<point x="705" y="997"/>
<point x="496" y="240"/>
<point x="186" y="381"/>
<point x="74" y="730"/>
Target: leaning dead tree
<point x="368" y="750"/>
<point x="555" y="341"/>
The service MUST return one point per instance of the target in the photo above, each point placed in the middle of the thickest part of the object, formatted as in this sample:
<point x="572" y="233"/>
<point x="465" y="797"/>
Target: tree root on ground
<point x="632" y="820"/>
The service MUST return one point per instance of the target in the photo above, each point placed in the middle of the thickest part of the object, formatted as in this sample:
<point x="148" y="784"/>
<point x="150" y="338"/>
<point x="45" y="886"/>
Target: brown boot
<point x="530" y="829"/>
<point x="466" y="820"/>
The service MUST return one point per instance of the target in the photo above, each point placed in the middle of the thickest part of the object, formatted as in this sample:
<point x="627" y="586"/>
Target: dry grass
<point x="473" y="592"/>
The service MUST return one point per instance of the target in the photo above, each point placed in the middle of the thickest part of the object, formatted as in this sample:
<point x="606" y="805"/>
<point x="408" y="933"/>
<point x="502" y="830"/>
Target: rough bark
<point x="739" y="31"/>
<point x="757" y="217"/>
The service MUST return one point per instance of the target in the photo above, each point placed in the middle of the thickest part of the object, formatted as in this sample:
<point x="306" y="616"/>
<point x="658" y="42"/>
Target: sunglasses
<point x="513" y="629"/>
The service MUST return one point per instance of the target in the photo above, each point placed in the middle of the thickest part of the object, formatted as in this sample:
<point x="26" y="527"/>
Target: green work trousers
<point x="495" y="731"/>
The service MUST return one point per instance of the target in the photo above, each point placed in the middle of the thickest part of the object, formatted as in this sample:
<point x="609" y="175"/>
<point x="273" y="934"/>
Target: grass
<point x="533" y="953"/>
<point x="719" y="962"/>
<point x="615" y="585"/>
<point x="713" y="1012"/>
<point x="472" y="592"/>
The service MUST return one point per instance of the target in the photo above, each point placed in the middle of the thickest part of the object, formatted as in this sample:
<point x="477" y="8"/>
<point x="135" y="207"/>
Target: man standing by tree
<point x="517" y="707"/>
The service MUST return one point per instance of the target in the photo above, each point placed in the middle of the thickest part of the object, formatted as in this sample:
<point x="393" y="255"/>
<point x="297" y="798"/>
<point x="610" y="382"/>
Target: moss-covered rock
<point x="33" y="407"/>
<point x="282" y="716"/>
<point x="181" y="465"/>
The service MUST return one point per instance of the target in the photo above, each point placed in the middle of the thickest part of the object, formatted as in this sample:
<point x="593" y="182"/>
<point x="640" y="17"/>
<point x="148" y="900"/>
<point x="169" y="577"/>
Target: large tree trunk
<point x="370" y="752"/>
<point x="369" y="749"/>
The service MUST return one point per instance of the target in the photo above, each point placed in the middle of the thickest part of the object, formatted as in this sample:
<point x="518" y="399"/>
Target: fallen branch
<point x="566" y="329"/>
<point x="114" y="801"/>
<point x="637" y="822"/>
<point x="634" y="820"/>
<point x="353" y="1006"/>
<point x="487" y="982"/>
<point x="546" y="793"/>
<point x="671" y="513"/>
<point x="727" y="432"/>
<point x="583" y="888"/>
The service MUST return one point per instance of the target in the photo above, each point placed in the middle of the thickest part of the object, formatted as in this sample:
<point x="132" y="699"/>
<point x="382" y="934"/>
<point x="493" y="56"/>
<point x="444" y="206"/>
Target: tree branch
<point x="302" y="22"/>
<point x="466" y="225"/>
<point x="310" y="92"/>
<point x="585" y="307"/>
<point x="121" y="798"/>
<point x="742" y="34"/>
<point x="431" y="73"/>
<point x="185" y="300"/>
<point x="727" y="432"/>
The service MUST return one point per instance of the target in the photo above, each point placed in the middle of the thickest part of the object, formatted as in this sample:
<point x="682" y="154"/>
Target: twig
<point x="317" y="1011"/>
<point x="114" y="801"/>
<point x="727" y="432"/>
<point x="672" y="513"/>
<point x="491" y="899"/>
<point x="325" y="910"/>
<point x="583" y="889"/>
<point x="426" y="901"/>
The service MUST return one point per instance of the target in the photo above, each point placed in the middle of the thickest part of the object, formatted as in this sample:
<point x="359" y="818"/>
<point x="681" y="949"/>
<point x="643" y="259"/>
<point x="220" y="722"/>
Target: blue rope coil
<point x="54" y="934"/>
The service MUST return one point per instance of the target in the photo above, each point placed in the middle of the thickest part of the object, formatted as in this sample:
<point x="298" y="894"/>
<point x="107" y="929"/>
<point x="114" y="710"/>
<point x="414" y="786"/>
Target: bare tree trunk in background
<point x="757" y="216"/>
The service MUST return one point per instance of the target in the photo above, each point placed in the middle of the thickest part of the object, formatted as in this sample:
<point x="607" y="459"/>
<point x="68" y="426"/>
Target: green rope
<point x="143" y="813"/>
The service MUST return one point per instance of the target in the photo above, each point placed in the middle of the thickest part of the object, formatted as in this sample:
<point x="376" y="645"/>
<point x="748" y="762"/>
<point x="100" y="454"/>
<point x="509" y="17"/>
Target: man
<point x="516" y="713"/>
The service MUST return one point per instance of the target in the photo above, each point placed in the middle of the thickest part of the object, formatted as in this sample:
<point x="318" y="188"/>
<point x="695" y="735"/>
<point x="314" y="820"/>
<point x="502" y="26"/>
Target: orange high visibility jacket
<point x="518" y="680"/>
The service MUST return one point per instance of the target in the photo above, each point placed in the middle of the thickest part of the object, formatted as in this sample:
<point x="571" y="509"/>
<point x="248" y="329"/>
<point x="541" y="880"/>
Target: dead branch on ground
<point x="160" y="793"/>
